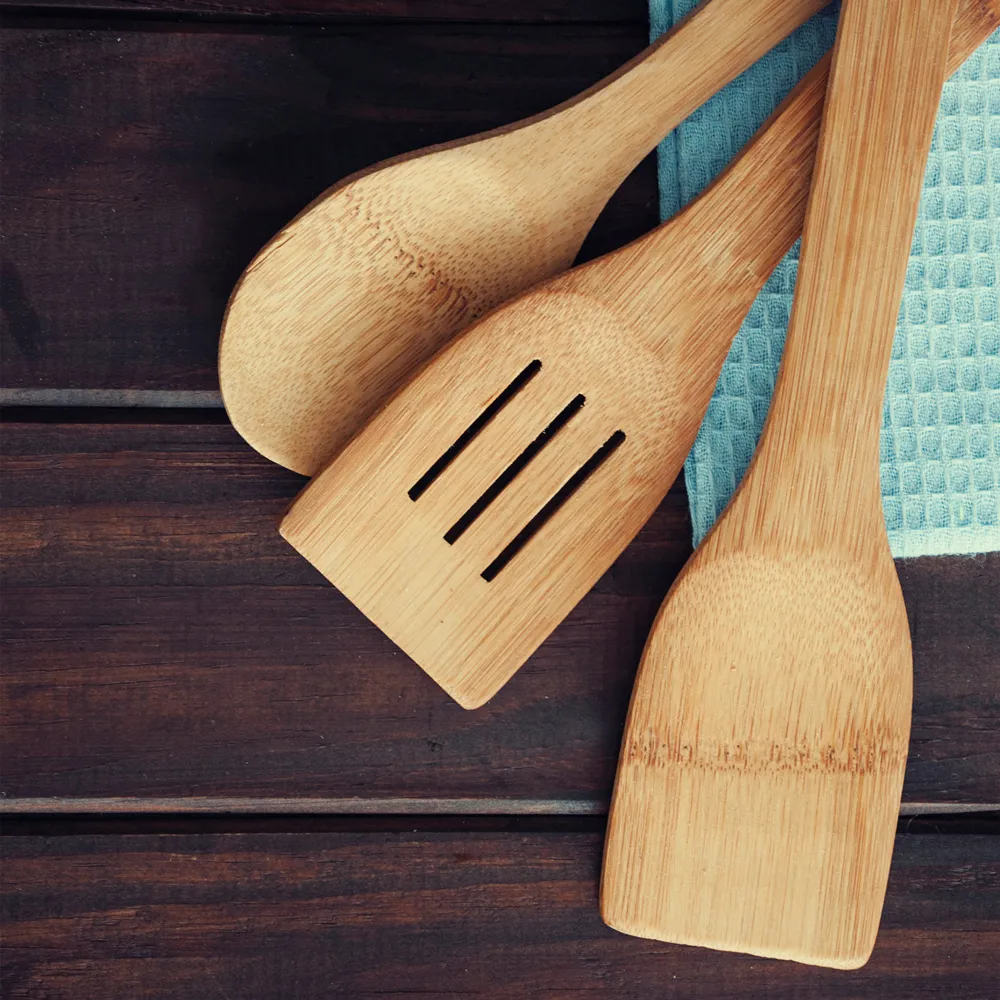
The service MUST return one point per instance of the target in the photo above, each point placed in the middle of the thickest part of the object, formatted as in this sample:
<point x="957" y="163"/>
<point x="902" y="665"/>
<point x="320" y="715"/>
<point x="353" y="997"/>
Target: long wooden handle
<point x="818" y="457"/>
<point x="754" y="211"/>
<point x="626" y="114"/>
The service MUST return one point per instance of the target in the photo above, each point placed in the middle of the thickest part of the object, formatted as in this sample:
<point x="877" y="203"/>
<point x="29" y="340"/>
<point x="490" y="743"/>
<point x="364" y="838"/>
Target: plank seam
<point x="224" y="805"/>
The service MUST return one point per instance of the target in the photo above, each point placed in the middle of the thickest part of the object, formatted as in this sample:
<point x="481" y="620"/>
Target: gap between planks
<point x="364" y="806"/>
<point x="167" y="824"/>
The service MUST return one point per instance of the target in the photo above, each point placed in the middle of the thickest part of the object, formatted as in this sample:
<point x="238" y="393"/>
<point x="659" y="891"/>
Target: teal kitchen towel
<point x="940" y="447"/>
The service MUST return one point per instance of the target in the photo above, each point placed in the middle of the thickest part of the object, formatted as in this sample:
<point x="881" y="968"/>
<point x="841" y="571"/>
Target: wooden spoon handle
<point x="608" y="129"/>
<point x="818" y="456"/>
<point x="754" y="211"/>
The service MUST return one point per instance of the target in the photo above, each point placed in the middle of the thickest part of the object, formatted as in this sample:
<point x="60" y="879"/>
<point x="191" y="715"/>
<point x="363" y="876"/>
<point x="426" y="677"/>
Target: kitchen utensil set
<point x="476" y="509"/>
<point x="762" y="763"/>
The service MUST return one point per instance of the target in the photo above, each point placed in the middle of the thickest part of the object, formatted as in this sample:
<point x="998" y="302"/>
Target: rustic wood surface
<point x="165" y="652"/>
<point x="437" y="915"/>
<point x="163" y="641"/>
<point x="162" y="160"/>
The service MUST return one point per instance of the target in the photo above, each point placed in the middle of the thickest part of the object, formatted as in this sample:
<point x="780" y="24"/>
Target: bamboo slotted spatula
<point x="387" y="266"/>
<point x="762" y="764"/>
<point x="478" y="507"/>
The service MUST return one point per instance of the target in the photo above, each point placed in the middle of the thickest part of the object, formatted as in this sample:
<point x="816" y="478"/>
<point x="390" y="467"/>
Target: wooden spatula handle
<point x="820" y="446"/>
<point x="768" y="187"/>
<point x="754" y="211"/>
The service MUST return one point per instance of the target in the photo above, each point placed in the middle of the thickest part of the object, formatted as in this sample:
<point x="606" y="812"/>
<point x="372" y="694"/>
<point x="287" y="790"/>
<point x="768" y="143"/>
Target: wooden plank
<point x="212" y="648"/>
<point x="511" y="11"/>
<point x="165" y="647"/>
<point x="439" y="915"/>
<point x="145" y="166"/>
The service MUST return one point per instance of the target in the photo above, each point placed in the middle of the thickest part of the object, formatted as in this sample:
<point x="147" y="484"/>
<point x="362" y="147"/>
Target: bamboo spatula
<point x="762" y="764"/>
<point x="480" y="505"/>
<point x="372" y="278"/>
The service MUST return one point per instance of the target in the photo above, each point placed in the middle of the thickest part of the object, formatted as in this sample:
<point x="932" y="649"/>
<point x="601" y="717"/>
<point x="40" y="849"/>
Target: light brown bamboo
<point x="762" y="763"/>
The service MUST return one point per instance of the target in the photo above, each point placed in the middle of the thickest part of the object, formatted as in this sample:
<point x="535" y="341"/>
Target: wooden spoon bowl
<point x="382" y="270"/>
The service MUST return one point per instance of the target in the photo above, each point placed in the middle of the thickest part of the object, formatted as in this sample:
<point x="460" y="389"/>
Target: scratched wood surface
<point x="165" y="653"/>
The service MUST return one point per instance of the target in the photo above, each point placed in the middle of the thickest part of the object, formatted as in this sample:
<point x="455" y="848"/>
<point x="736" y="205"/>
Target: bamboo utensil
<point x="387" y="266"/>
<point x="762" y="764"/>
<point x="478" y="507"/>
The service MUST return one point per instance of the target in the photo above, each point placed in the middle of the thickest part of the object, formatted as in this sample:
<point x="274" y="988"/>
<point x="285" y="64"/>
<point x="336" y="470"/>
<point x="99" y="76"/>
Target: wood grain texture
<point x="765" y="748"/>
<point x="511" y="11"/>
<point x="162" y="641"/>
<point x="511" y="916"/>
<point x="144" y="166"/>
<point x="641" y="334"/>
<point x="159" y="640"/>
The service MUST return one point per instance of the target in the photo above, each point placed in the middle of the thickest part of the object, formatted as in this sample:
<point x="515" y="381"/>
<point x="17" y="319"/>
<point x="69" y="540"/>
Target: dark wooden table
<point x="220" y="780"/>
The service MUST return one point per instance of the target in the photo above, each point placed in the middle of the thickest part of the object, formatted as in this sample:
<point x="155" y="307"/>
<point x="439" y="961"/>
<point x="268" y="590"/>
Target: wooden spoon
<point x="485" y="466"/>
<point x="762" y="765"/>
<point x="388" y="265"/>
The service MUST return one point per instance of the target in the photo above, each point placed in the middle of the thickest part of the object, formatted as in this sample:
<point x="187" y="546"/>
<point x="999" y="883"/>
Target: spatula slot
<point x="549" y="510"/>
<point x="507" y="476"/>
<point x="469" y="434"/>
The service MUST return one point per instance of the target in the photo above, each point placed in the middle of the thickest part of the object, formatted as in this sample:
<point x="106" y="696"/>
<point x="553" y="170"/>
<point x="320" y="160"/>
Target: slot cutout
<point x="510" y="473"/>
<point x="549" y="510"/>
<point x="469" y="434"/>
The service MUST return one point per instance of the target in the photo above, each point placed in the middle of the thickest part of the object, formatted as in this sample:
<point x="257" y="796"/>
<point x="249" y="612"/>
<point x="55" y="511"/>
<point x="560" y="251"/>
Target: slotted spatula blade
<point x="482" y="503"/>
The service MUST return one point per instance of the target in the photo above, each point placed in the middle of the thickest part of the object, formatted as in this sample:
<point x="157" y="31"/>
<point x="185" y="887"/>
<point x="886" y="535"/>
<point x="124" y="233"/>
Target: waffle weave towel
<point x="940" y="446"/>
